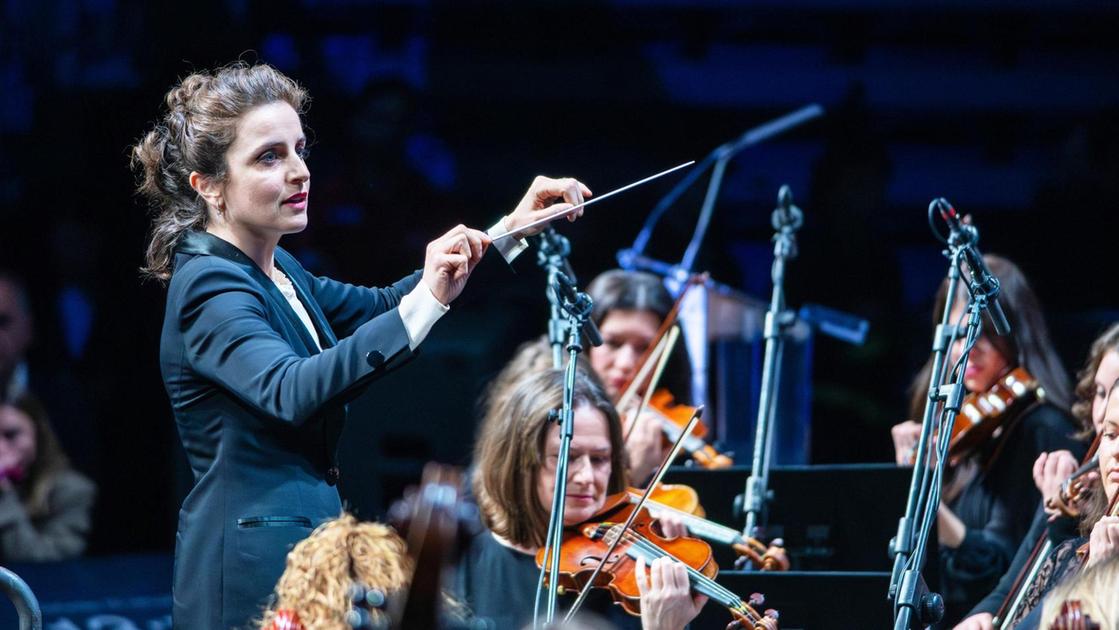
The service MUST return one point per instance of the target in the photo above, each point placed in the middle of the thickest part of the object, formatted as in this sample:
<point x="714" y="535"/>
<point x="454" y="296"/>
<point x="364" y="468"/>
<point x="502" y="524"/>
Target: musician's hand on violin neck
<point x="450" y="259"/>
<point x="546" y="197"/>
<point x="905" y="435"/>
<point x="982" y="621"/>
<point x="667" y="602"/>
<point x="1103" y="543"/>
<point x="671" y="525"/>
<point x="1051" y="470"/>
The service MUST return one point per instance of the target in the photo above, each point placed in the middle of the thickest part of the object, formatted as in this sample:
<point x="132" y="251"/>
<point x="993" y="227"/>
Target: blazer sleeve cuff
<point x="419" y="310"/>
<point x="509" y="247"/>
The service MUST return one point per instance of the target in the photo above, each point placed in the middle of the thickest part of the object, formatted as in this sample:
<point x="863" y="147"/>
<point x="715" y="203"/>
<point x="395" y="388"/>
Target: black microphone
<point x="567" y="291"/>
<point x="786" y="214"/>
<point x="565" y="287"/>
<point x="965" y="235"/>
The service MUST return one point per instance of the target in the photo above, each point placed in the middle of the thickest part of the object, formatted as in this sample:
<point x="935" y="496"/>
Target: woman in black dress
<point x="989" y="498"/>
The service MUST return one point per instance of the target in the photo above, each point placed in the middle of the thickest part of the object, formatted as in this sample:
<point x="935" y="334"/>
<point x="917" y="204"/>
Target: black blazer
<point x="259" y="410"/>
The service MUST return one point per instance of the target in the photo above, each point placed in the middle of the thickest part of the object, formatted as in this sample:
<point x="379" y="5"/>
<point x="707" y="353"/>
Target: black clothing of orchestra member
<point x="499" y="583"/>
<point x="998" y="505"/>
<point x="259" y="409"/>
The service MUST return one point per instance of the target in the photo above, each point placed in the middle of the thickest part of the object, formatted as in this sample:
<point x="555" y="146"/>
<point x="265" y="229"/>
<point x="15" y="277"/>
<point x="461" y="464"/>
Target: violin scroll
<point x="1072" y="492"/>
<point x="760" y="556"/>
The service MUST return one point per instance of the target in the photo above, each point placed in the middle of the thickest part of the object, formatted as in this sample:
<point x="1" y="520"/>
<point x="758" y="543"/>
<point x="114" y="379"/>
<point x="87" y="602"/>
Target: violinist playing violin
<point x="1059" y="517"/>
<point x="515" y="461"/>
<point x="1098" y="525"/>
<point x="989" y="496"/>
<point x="629" y="308"/>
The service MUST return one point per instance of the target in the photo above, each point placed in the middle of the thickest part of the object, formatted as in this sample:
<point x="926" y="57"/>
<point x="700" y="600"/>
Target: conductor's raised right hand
<point x="546" y="197"/>
<point x="450" y="259"/>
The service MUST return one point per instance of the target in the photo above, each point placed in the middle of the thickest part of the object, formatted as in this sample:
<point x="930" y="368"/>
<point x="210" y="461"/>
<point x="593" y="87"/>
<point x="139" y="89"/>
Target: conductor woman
<point x="259" y="356"/>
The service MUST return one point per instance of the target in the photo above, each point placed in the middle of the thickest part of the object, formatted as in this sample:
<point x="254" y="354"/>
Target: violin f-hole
<point x="594" y="560"/>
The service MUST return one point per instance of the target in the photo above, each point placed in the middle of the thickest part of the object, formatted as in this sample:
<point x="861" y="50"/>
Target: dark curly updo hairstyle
<point x="194" y="133"/>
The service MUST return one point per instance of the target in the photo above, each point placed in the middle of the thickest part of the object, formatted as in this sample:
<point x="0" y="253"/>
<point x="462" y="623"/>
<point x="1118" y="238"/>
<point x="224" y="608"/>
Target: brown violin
<point x="983" y="415"/>
<point x="986" y="415"/>
<point x="437" y="526"/>
<point x="665" y="498"/>
<point x="673" y="418"/>
<point x="678" y="497"/>
<point x="584" y="547"/>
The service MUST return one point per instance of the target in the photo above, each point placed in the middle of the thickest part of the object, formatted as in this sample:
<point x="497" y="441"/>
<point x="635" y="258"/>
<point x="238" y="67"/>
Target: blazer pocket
<point x="273" y="521"/>
<point x="268" y="539"/>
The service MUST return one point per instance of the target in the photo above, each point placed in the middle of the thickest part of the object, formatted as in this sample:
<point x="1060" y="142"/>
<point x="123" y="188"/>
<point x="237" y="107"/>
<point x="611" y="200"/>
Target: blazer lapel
<point x="204" y="243"/>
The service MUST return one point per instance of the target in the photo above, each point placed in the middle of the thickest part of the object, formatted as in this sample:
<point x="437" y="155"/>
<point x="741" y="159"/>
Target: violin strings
<point x="725" y="534"/>
<point x="704" y="584"/>
<point x="652" y="549"/>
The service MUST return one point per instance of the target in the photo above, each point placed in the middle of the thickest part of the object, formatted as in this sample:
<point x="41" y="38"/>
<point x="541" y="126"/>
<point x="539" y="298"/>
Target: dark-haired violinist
<point x="989" y="496"/>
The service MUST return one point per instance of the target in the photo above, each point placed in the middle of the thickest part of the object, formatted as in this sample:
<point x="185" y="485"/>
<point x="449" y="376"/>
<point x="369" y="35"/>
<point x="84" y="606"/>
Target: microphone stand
<point x="552" y="256"/>
<point x="786" y="220"/>
<point x="634" y="258"/>
<point x="915" y="606"/>
<point x="576" y="306"/>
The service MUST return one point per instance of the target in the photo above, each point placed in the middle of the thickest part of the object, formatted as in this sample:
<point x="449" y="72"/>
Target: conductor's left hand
<point x="450" y="259"/>
<point x="546" y="197"/>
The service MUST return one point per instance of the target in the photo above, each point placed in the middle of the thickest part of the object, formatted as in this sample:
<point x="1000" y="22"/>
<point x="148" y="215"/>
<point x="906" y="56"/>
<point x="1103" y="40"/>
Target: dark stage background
<point x="427" y="114"/>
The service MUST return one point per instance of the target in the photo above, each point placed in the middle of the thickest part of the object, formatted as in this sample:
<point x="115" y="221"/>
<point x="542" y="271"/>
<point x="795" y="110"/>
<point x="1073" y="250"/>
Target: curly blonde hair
<point x="322" y="568"/>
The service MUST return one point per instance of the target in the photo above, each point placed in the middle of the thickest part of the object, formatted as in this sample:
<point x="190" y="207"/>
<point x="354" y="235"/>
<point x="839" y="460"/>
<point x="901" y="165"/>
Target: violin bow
<point x="667" y="344"/>
<point x="630" y="388"/>
<point x="661" y="470"/>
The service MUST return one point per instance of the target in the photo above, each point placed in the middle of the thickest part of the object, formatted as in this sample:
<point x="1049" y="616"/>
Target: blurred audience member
<point x="52" y="379"/>
<point x="15" y="336"/>
<point x="44" y="504"/>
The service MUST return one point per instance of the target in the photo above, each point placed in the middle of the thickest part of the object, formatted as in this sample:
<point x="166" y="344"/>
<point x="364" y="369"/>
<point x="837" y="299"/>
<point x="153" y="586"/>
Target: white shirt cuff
<point x="509" y="247"/>
<point x="420" y="310"/>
